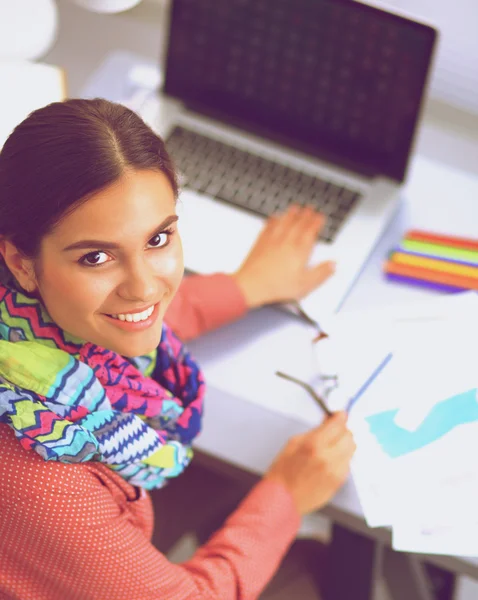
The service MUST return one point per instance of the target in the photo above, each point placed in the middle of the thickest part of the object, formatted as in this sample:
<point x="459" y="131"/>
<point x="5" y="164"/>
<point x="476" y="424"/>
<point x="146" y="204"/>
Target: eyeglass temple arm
<point x="309" y="389"/>
<point x="308" y="319"/>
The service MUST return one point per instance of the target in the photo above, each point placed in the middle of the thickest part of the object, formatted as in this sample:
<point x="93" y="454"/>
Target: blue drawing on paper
<point x="442" y="418"/>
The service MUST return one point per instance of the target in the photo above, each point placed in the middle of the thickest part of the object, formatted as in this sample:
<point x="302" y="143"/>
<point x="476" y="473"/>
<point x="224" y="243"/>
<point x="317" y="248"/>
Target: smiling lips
<point x="135" y="321"/>
<point x="134" y="317"/>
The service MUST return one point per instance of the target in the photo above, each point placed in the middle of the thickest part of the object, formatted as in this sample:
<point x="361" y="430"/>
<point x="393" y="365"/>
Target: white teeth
<point x="135" y="317"/>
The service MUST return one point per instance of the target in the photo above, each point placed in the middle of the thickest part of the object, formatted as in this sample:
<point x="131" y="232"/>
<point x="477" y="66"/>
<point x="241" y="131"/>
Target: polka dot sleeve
<point x="81" y="532"/>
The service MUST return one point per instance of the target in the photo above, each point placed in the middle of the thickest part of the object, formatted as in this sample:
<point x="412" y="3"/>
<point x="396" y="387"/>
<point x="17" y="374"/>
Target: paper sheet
<point x="416" y="425"/>
<point x="449" y="526"/>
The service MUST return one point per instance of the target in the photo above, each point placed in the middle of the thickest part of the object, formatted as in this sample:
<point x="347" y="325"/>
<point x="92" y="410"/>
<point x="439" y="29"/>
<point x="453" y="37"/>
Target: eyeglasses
<point x="301" y="313"/>
<point x="330" y="381"/>
<point x="308" y="388"/>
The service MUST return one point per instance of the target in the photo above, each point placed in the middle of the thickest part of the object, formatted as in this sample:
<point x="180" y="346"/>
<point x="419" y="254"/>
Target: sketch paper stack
<point x="414" y="418"/>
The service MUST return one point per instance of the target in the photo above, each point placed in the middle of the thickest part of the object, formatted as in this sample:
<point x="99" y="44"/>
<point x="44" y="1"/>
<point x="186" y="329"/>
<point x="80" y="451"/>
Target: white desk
<point x="239" y="360"/>
<point x="436" y="197"/>
<point x="247" y="420"/>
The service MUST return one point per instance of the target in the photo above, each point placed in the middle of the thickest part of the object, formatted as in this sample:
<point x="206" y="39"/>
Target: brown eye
<point x="160" y="239"/>
<point x="92" y="259"/>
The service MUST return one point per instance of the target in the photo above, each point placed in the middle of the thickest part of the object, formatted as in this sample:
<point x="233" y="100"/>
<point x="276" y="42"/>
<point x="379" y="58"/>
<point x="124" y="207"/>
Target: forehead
<point x="130" y="207"/>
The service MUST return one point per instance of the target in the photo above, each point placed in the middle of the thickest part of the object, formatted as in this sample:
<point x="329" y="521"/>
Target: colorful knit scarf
<point x="72" y="401"/>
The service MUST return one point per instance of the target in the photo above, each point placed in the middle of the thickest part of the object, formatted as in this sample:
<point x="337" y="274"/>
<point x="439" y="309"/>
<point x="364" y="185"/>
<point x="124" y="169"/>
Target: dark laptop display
<point x="335" y="78"/>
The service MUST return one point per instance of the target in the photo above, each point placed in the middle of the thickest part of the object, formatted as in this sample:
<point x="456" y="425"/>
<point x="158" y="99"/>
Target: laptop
<point x="268" y="102"/>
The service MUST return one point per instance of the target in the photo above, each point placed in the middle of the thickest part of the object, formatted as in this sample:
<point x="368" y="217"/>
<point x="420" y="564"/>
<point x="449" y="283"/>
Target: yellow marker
<point x="435" y="264"/>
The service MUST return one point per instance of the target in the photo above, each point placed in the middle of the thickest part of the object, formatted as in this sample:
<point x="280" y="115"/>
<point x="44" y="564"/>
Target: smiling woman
<point x="87" y="248"/>
<point x="99" y="400"/>
<point x="126" y="269"/>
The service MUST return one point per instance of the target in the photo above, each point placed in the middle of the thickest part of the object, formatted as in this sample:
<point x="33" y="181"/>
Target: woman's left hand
<point x="277" y="267"/>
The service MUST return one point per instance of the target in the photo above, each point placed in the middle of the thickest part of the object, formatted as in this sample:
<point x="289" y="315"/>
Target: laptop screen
<point x="334" y="78"/>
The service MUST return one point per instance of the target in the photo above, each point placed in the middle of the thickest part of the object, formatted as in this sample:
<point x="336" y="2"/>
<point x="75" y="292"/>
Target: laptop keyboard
<point x="254" y="183"/>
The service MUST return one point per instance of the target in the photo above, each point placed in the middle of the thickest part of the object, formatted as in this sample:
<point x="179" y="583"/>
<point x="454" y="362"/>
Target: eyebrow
<point x="87" y="244"/>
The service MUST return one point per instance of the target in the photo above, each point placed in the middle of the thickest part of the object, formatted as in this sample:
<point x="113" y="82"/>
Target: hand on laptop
<point x="277" y="267"/>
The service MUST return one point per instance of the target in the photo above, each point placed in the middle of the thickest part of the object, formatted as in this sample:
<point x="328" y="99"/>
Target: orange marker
<point x="458" y="281"/>
<point x="443" y="240"/>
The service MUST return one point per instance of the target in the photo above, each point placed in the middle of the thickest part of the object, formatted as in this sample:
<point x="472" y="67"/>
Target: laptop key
<point x="255" y="183"/>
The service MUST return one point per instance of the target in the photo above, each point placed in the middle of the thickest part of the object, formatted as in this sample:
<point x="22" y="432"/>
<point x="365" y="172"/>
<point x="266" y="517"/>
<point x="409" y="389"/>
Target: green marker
<point x="468" y="256"/>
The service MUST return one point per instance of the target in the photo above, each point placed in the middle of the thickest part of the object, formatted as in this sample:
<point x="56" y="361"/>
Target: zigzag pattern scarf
<point x="72" y="401"/>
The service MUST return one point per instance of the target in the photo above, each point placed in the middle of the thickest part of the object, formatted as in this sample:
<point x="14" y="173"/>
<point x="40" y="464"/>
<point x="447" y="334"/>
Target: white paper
<point x="416" y="426"/>
<point x="449" y="526"/>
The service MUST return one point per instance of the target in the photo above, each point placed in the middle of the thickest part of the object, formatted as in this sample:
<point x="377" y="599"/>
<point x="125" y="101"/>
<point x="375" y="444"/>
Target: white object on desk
<point x="446" y="526"/>
<point x="28" y="28"/>
<point x="360" y="339"/>
<point x="444" y="198"/>
<point x="25" y="87"/>
<point x="107" y="6"/>
<point x="424" y="477"/>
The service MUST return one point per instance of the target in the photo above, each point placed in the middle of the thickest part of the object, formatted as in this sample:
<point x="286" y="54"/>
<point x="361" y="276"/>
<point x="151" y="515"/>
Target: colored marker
<point x="469" y="283"/>
<point x="435" y="264"/>
<point x="442" y="240"/>
<point x="437" y="251"/>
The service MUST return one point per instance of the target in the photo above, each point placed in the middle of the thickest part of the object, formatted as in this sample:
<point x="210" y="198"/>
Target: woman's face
<point x="109" y="270"/>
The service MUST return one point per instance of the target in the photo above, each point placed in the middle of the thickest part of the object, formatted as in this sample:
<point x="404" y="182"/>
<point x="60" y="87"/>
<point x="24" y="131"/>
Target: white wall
<point x="455" y="78"/>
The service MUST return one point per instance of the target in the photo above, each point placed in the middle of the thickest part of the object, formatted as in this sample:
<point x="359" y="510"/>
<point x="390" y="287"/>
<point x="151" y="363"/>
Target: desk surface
<point x="245" y="424"/>
<point x="242" y="423"/>
<point x="241" y="359"/>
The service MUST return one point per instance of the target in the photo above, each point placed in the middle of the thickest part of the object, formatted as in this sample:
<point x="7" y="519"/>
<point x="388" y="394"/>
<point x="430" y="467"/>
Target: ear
<point x="20" y="266"/>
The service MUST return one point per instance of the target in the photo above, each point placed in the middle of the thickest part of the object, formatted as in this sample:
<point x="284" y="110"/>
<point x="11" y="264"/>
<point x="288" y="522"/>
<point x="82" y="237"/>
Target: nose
<point x="140" y="283"/>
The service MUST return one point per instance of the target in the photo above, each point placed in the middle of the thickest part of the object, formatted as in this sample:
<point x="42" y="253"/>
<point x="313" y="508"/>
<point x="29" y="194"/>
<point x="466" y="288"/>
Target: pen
<point x="369" y="381"/>
<point x="309" y="389"/>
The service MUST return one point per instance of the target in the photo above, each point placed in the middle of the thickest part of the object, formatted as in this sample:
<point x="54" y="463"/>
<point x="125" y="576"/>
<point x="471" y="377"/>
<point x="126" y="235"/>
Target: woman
<point x="99" y="401"/>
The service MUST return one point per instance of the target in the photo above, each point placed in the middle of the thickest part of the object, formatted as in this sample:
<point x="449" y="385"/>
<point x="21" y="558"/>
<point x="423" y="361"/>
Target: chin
<point x="131" y="348"/>
<point x="131" y="353"/>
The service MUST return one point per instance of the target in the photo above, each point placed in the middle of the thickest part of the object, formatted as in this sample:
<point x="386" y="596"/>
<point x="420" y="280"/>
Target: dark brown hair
<point x="62" y="154"/>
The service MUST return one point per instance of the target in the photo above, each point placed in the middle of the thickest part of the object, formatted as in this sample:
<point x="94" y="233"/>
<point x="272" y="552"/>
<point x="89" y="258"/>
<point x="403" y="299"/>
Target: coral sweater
<point x="81" y="532"/>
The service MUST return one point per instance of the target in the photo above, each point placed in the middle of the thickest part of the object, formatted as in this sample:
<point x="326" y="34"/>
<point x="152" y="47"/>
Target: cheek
<point x="72" y="291"/>
<point x="170" y="265"/>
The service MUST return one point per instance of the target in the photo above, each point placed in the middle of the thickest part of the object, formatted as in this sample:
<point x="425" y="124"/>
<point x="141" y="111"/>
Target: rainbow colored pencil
<point x="437" y="261"/>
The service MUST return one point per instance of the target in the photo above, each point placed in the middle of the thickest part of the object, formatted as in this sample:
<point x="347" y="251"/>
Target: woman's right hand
<point x="315" y="464"/>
